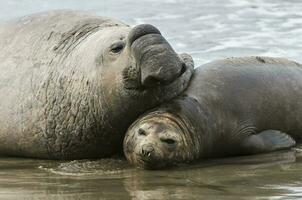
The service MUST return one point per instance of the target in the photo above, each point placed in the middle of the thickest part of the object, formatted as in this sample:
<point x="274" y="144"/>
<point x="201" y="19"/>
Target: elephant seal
<point x="232" y="107"/>
<point x="71" y="83"/>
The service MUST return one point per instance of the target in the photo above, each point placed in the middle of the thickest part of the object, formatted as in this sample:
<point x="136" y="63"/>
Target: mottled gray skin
<point x="71" y="83"/>
<point x="227" y="106"/>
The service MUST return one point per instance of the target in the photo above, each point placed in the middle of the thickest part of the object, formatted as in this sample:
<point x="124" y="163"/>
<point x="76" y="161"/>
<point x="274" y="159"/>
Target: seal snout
<point x="159" y="64"/>
<point x="147" y="150"/>
<point x="141" y="30"/>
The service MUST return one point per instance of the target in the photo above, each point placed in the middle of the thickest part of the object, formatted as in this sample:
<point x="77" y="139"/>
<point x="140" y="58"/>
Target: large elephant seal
<point x="71" y="83"/>
<point x="232" y="107"/>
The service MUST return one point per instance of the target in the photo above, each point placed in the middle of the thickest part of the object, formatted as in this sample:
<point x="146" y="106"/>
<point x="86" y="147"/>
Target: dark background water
<point x="208" y="30"/>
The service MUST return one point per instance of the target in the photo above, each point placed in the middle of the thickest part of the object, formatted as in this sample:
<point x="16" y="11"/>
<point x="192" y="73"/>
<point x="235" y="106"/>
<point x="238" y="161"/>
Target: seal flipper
<point x="266" y="141"/>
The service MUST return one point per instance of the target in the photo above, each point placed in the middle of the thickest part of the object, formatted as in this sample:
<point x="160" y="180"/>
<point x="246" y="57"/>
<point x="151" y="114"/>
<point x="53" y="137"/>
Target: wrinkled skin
<point x="156" y="142"/>
<point x="71" y="83"/>
<point x="227" y="104"/>
<point x="165" y="136"/>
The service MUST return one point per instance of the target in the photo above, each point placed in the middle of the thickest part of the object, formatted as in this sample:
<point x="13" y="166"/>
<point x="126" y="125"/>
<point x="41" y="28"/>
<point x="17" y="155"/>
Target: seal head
<point x="158" y="140"/>
<point x="147" y="59"/>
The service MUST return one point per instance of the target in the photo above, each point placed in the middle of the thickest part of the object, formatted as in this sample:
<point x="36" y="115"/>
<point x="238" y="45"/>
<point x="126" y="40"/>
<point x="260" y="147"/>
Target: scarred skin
<point x="232" y="107"/>
<point x="71" y="83"/>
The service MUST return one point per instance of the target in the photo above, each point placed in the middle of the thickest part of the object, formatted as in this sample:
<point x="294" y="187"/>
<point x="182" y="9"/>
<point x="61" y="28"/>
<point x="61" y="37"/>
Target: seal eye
<point x="117" y="47"/>
<point x="141" y="132"/>
<point x="168" y="141"/>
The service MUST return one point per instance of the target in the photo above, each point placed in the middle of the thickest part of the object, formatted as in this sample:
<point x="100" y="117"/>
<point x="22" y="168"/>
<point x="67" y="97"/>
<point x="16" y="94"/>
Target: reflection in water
<point x="250" y="176"/>
<point x="176" y="185"/>
<point x="87" y="167"/>
<point x="272" y="175"/>
<point x="209" y="30"/>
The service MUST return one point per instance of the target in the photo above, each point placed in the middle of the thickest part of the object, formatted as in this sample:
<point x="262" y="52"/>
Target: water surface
<point x="208" y="30"/>
<point x="272" y="176"/>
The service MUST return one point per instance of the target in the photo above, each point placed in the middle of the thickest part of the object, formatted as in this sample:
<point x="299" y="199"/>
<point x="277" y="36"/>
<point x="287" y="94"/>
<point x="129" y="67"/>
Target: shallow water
<point x="272" y="176"/>
<point x="208" y="30"/>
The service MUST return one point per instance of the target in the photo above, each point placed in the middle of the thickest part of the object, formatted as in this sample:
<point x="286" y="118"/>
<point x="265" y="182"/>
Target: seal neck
<point x="194" y="122"/>
<point x="200" y="126"/>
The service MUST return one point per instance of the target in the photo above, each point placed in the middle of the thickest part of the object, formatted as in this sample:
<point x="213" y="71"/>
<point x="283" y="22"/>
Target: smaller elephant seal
<point x="235" y="106"/>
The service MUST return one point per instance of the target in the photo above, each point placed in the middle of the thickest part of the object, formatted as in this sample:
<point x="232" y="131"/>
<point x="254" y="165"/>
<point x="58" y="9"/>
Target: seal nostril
<point x="168" y="141"/>
<point x="183" y="68"/>
<point x="147" y="150"/>
<point x="143" y="152"/>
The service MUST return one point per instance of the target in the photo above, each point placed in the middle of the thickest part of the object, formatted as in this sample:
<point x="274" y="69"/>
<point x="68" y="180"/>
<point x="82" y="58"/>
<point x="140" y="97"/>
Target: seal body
<point x="232" y="107"/>
<point x="71" y="83"/>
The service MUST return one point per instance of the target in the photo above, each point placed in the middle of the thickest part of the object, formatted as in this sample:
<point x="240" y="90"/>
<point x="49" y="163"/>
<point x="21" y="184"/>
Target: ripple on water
<point x="88" y="167"/>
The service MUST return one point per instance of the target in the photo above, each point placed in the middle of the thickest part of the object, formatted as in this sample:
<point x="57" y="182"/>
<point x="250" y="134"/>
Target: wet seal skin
<point x="71" y="83"/>
<point x="235" y="106"/>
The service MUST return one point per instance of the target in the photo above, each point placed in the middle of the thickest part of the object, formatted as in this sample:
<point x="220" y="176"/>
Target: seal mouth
<point x="152" y="165"/>
<point x="145" y="164"/>
<point x="136" y="85"/>
<point x="167" y="82"/>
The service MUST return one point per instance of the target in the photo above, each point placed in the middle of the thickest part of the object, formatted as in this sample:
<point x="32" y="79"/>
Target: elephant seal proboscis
<point x="71" y="83"/>
<point x="233" y="106"/>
